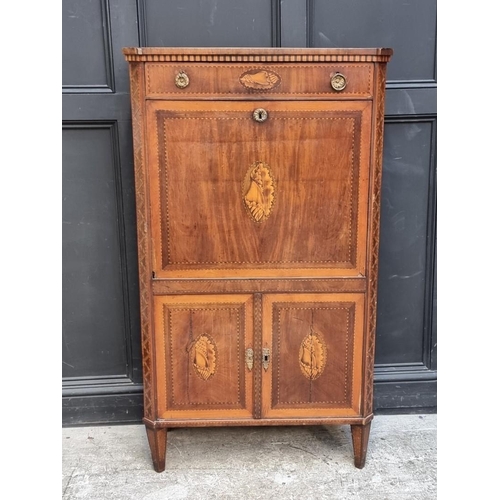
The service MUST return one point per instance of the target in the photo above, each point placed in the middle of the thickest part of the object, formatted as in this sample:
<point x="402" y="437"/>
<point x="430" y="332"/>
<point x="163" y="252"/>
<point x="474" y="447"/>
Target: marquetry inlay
<point x="203" y="356"/>
<point x="260" y="79"/>
<point x="258" y="191"/>
<point x="312" y="356"/>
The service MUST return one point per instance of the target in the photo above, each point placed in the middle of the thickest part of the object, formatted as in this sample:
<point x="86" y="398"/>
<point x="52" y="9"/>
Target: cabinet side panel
<point x="143" y="239"/>
<point x="374" y="237"/>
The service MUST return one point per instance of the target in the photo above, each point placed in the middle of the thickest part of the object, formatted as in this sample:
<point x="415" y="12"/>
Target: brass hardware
<point x="266" y="357"/>
<point x="338" y="82"/>
<point x="260" y="115"/>
<point x="181" y="80"/>
<point x="249" y="358"/>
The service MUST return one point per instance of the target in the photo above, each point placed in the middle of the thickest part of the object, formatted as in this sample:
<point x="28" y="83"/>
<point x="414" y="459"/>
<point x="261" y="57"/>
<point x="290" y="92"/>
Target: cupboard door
<point x="237" y="192"/>
<point x="315" y="346"/>
<point x="200" y="356"/>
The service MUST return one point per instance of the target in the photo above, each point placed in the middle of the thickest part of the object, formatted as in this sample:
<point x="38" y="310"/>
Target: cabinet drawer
<point x="268" y="81"/>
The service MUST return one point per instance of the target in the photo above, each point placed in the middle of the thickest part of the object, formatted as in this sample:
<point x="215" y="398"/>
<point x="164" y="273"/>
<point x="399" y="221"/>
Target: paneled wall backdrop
<point x="101" y="362"/>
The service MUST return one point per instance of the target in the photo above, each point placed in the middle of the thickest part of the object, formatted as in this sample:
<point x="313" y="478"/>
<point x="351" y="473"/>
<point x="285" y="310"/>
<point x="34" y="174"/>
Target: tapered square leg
<point x="360" y="435"/>
<point x="158" y="443"/>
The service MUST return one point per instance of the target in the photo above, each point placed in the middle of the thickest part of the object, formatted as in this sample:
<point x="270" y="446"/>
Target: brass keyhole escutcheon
<point x="181" y="80"/>
<point x="266" y="357"/>
<point x="249" y="358"/>
<point x="338" y="82"/>
<point x="260" y="115"/>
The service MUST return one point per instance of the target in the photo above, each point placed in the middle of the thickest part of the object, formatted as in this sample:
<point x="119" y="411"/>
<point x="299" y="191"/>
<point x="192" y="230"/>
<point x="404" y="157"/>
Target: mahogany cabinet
<point x="258" y="176"/>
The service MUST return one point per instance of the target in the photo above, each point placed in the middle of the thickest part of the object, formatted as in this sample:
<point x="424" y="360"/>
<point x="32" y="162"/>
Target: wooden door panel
<point x="316" y="355"/>
<point x="201" y="342"/>
<point x="234" y="197"/>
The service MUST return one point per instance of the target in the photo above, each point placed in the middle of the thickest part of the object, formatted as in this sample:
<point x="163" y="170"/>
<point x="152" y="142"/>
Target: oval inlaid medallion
<point x="258" y="191"/>
<point x="312" y="356"/>
<point x="203" y="356"/>
<point x="260" y="79"/>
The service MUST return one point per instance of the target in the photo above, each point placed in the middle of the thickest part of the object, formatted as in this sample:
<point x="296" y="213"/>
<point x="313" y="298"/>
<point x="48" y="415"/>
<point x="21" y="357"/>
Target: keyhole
<point x="260" y="115"/>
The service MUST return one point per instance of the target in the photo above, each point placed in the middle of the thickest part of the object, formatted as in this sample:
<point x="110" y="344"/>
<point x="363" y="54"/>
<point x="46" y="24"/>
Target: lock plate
<point x="249" y="358"/>
<point x="266" y="357"/>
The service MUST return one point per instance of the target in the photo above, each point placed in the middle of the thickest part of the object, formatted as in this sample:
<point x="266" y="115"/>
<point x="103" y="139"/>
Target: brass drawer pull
<point x="181" y="80"/>
<point x="338" y="82"/>
<point x="260" y="115"/>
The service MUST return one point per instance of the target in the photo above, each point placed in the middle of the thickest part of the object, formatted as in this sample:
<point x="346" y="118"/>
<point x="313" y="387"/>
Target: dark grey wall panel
<point x="404" y="251"/>
<point x="101" y="345"/>
<point x="208" y="23"/>
<point x="94" y="319"/>
<point x="411" y="101"/>
<point x="293" y="23"/>
<point x="86" y="52"/>
<point x="409" y="27"/>
<point x="405" y="397"/>
<point x="102" y="409"/>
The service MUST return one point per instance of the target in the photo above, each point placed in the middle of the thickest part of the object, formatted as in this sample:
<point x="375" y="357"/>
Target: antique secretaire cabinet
<point x="258" y="177"/>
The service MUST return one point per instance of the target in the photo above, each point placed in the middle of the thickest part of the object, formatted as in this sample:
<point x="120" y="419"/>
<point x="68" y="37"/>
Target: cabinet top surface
<point x="273" y="54"/>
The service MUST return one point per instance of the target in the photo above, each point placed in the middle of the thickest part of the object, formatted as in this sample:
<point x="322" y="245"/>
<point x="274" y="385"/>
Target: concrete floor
<point x="254" y="463"/>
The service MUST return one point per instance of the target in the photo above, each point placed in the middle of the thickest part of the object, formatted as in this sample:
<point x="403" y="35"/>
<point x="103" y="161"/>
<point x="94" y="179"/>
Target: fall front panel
<point x="200" y="349"/>
<point x="241" y="192"/>
<point x="315" y="347"/>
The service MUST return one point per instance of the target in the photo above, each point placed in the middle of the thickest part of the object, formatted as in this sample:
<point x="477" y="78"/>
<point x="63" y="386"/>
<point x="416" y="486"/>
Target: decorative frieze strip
<point x="262" y="285"/>
<point x="164" y="54"/>
<point x="254" y="58"/>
